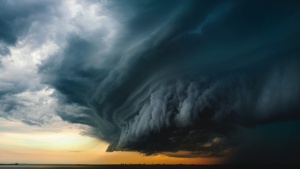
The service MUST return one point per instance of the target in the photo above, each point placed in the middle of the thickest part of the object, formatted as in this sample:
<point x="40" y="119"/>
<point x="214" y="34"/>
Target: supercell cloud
<point x="181" y="75"/>
<point x="165" y="76"/>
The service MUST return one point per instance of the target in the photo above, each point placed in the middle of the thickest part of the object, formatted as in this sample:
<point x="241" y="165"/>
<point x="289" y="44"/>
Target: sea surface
<point x="37" y="166"/>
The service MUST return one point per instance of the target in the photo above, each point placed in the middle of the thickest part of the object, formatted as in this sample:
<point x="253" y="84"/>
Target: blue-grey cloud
<point x="274" y="143"/>
<point x="16" y="17"/>
<point x="16" y="21"/>
<point x="182" y="75"/>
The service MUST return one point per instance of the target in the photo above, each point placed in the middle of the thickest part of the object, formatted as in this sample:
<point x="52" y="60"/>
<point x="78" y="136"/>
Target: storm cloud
<point x="166" y="76"/>
<point x="21" y="93"/>
<point x="182" y="75"/>
<point x="16" y="18"/>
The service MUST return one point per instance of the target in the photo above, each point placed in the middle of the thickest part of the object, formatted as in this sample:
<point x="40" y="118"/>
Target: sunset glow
<point x="73" y="148"/>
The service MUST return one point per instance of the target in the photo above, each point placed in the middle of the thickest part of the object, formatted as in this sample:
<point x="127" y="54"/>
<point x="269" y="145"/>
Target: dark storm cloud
<point x="8" y="104"/>
<point x="182" y="75"/>
<point x="275" y="143"/>
<point x="16" y="17"/>
<point x="4" y="50"/>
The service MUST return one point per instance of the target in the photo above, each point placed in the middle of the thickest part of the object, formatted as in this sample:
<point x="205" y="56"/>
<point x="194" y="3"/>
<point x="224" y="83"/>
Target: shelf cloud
<point x="168" y="76"/>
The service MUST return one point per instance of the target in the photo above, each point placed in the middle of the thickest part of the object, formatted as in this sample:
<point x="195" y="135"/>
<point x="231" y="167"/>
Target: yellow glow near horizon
<point x="47" y="148"/>
<point x="73" y="148"/>
<point x="46" y="141"/>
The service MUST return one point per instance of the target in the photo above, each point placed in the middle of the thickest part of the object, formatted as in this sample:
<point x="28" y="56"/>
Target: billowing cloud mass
<point x="22" y="97"/>
<point x="164" y="76"/>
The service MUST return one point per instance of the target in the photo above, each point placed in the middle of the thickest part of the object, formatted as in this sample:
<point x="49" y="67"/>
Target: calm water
<point x="143" y="167"/>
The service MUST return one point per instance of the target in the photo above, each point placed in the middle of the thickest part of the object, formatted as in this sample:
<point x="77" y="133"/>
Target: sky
<point x="150" y="81"/>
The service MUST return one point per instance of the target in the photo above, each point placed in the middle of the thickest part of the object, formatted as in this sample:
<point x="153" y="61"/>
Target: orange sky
<point x="64" y="143"/>
<point x="73" y="148"/>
